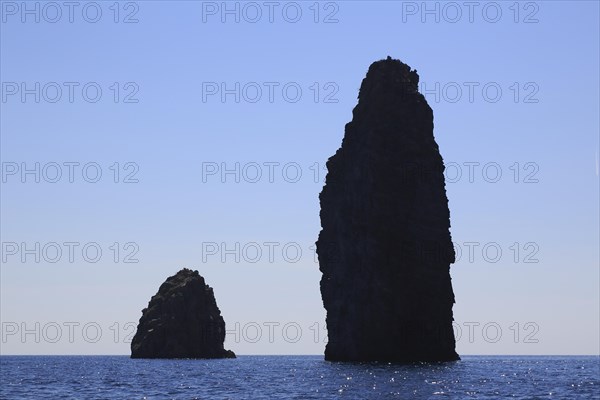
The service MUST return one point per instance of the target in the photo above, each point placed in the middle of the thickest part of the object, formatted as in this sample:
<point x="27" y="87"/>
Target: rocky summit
<point x="182" y="320"/>
<point x="385" y="247"/>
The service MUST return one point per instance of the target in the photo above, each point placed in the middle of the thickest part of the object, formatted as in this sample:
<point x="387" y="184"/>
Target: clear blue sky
<point x="541" y="134"/>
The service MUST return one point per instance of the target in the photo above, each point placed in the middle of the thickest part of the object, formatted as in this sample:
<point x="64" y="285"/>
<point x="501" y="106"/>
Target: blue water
<point x="297" y="377"/>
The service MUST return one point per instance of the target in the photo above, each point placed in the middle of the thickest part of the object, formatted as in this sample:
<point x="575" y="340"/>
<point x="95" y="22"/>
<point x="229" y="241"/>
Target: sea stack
<point x="385" y="247"/>
<point x="182" y="321"/>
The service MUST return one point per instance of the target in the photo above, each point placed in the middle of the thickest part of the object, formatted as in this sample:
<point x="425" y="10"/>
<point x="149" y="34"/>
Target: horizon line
<point x="286" y="355"/>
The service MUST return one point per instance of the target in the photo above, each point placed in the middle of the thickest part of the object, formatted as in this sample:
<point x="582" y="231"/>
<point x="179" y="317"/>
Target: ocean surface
<point x="297" y="377"/>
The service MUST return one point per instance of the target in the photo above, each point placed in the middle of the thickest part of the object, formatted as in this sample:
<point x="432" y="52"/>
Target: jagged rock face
<point x="182" y="321"/>
<point x="385" y="248"/>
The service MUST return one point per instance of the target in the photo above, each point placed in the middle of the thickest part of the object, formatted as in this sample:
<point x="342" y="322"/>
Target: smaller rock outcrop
<point x="182" y="321"/>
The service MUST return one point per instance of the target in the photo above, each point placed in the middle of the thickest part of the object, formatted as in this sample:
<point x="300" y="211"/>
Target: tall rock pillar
<point x="385" y="248"/>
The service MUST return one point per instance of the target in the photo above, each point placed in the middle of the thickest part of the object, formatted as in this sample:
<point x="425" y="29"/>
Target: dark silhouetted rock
<point x="182" y="321"/>
<point x="385" y="248"/>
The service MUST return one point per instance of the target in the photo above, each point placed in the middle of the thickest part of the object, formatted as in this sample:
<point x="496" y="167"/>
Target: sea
<point x="298" y="377"/>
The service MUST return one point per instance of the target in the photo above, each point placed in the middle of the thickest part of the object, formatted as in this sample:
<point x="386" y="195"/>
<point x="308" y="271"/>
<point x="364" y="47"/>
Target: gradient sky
<point x="539" y="296"/>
